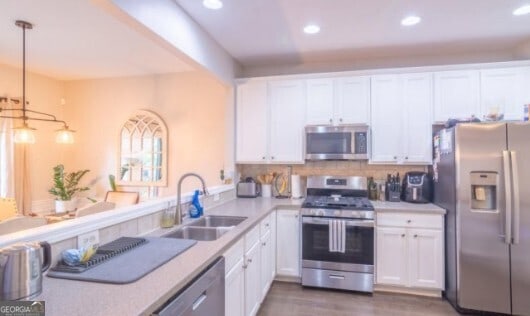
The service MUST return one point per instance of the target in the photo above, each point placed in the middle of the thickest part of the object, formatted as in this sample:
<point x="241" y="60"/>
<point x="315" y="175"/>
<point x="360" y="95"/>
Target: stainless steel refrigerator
<point x="482" y="179"/>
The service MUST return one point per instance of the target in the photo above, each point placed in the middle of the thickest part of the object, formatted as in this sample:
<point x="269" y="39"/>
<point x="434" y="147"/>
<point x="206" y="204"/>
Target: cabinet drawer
<point x="433" y="221"/>
<point x="251" y="238"/>
<point x="234" y="254"/>
<point x="265" y="225"/>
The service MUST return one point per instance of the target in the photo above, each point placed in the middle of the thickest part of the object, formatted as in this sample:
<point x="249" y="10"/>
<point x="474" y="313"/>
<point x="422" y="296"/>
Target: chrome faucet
<point x="178" y="218"/>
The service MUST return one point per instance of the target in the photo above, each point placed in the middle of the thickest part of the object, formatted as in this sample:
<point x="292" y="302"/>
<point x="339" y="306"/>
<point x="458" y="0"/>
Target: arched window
<point x="143" y="151"/>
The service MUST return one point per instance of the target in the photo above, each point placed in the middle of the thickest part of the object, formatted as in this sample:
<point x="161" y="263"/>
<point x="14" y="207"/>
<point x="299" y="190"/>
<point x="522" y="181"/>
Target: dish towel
<point x="337" y="236"/>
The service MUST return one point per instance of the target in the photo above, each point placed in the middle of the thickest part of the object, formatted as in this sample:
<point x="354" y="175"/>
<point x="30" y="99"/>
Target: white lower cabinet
<point x="410" y="250"/>
<point x="250" y="268"/>
<point x="235" y="290"/>
<point x="252" y="280"/>
<point x="288" y="249"/>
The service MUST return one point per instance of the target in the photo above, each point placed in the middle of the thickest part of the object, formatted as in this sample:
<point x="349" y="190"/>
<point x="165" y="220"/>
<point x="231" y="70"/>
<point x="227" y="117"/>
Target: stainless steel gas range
<point x="338" y="234"/>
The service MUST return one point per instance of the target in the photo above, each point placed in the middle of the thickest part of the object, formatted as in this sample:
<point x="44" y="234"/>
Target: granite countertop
<point x="428" y="208"/>
<point x="67" y="297"/>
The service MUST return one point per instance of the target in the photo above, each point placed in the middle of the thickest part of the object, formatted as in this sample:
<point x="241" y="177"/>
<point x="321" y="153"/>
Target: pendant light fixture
<point x="24" y="133"/>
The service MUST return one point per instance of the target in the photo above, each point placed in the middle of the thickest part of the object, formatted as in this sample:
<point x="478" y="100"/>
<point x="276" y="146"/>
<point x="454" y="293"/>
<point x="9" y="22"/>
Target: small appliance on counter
<point x="393" y="188"/>
<point x="248" y="188"/>
<point x="21" y="270"/>
<point x="417" y="187"/>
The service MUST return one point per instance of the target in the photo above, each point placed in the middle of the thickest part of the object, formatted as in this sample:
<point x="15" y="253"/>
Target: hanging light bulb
<point x="24" y="134"/>
<point x="64" y="135"/>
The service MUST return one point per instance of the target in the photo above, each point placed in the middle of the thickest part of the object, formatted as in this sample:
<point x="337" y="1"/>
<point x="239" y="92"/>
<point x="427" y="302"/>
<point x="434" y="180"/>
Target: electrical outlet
<point x="88" y="239"/>
<point x="216" y="197"/>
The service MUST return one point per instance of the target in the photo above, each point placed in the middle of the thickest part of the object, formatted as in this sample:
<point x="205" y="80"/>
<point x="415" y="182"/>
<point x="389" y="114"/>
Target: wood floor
<point x="293" y="299"/>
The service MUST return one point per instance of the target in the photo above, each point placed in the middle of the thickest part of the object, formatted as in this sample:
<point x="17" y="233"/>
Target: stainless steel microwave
<point x="346" y="142"/>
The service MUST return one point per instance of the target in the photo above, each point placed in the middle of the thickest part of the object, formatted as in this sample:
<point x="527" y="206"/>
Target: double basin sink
<point x="206" y="228"/>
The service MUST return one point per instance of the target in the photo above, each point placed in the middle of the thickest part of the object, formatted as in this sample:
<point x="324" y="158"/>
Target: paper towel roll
<point x="296" y="186"/>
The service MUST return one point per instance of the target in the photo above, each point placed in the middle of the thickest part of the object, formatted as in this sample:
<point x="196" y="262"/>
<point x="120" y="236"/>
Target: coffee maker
<point x="417" y="187"/>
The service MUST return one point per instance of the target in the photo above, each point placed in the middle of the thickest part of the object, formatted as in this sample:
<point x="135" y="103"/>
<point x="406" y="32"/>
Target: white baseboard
<point x="407" y="290"/>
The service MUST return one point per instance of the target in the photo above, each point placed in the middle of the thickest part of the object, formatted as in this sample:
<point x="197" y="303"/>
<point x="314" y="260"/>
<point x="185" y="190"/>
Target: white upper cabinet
<point x="386" y="123"/>
<point x="251" y="122"/>
<point x="288" y="104"/>
<point x="504" y="91"/>
<point x="456" y="94"/>
<point x="320" y="101"/>
<point x="417" y="128"/>
<point x="338" y="101"/>
<point x="401" y="120"/>
<point x="353" y="94"/>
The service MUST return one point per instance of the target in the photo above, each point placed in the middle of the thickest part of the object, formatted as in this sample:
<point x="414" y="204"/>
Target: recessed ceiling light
<point x="212" y="4"/>
<point x="311" y="29"/>
<point x="522" y="10"/>
<point x="411" y="20"/>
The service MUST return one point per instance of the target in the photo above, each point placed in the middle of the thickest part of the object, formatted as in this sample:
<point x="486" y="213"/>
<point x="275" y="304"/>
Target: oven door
<point x="359" y="249"/>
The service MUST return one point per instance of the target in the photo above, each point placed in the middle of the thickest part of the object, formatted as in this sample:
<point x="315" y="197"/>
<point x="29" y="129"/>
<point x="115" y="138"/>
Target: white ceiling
<point x="268" y="32"/>
<point x="75" y="39"/>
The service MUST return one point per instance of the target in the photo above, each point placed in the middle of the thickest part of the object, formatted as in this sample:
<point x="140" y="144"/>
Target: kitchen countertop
<point x="67" y="297"/>
<point x="428" y="208"/>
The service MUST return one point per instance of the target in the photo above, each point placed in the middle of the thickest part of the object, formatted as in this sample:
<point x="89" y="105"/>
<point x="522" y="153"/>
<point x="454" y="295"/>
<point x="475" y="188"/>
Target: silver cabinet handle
<point x="395" y="157"/>
<point x="267" y="225"/>
<point x="415" y="236"/>
<point x="199" y="301"/>
<point x="249" y="260"/>
<point x="406" y="157"/>
<point x="340" y="120"/>
<point x="331" y="120"/>
<point x="516" y="200"/>
<point x="245" y="266"/>
<point x="402" y="235"/>
<point x="263" y="157"/>
<point x="272" y="157"/>
<point x="409" y="221"/>
<point x="264" y="244"/>
<point x="508" y="197"/>
<point x="296" y="216"/>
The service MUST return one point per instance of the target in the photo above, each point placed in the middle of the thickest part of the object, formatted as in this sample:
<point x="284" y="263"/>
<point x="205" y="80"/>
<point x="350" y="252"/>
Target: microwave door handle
<point x="508" y="197"/>
<point x="516" y="198"/>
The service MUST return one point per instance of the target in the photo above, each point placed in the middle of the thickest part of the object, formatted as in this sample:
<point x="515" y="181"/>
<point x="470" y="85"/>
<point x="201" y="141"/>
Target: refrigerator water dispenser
<point x="484" y="191"/>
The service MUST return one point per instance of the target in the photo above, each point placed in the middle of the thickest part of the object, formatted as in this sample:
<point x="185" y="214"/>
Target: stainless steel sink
<point x="217" y="221"/>
<point x="198" y="233"/>
<point x="207" y="228"/>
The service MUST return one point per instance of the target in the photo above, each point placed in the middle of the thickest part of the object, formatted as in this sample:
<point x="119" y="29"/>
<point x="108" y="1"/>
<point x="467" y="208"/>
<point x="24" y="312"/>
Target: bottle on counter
<point x="168" y="217"/>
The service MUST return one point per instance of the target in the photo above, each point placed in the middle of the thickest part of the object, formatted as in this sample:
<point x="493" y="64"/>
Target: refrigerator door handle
<point x="516" y="198"/>
<point x="508" y="197"/>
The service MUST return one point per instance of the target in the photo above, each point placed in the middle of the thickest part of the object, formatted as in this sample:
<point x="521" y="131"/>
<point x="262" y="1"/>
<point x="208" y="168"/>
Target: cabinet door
<point x="273" y="246"/>
<point x="426" y="267"/>
<point x="288" y="250"/>
<point x="417" y="127"/>
<point x="386" y="121"/>
<point x="251" y="122"/>
<point x="503" y="91"/>
<point x="287" y="121"/>
<point x="235" y="290"/>
<point x="266" y="256"/>
<point x="252" y="280"/>
<point x="392" y="255"/>
<point x="456" y="95"/>
<point x="320" y="101"/>
<point x="353" y="96"/>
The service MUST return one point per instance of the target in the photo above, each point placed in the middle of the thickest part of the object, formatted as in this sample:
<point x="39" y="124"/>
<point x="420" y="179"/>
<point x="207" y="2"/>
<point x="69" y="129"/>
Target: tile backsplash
<point x="331" y="168"/>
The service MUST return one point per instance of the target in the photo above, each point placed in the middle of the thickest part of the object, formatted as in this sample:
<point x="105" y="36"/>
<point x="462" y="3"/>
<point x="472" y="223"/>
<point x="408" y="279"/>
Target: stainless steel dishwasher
<point x="205" y="296"/>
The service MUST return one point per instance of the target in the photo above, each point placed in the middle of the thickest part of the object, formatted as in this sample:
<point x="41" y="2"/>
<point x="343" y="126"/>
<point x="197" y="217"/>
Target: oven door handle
<point x="349" y="222"/>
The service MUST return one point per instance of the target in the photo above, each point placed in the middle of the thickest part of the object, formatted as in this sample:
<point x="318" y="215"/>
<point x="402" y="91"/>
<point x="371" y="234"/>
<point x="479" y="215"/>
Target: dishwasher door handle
<point x="199" y="301"/>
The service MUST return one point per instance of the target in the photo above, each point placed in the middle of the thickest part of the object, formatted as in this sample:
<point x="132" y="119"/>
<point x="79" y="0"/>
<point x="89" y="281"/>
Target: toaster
<point x="417" y="187"/>
<point x="248" y="188"/>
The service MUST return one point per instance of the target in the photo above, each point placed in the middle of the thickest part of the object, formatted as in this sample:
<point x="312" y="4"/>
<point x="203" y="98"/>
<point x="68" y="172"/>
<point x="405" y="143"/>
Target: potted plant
<point x="65" y="185"/>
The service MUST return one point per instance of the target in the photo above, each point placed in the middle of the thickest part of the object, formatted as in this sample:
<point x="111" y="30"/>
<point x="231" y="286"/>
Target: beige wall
<point x="192" y="104"/>
<point x="44" y="94"/>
